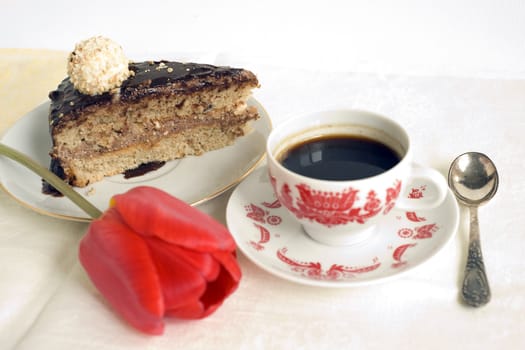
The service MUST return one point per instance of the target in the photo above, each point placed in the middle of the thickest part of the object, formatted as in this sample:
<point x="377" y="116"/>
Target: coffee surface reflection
<point x="339" y="157"/>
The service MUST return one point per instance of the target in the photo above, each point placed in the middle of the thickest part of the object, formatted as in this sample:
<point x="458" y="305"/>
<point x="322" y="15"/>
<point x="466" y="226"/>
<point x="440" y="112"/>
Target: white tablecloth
<point x="47" y="301"/>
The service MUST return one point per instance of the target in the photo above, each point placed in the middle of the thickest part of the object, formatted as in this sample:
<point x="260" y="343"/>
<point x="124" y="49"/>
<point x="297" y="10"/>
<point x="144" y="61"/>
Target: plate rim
<point x="209" y="196"/>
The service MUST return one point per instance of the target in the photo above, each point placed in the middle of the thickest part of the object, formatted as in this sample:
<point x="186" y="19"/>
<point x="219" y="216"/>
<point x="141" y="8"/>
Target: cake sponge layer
<point x="193" y="141"/>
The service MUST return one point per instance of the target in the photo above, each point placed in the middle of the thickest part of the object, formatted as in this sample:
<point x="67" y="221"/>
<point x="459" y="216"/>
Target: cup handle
<point x="425" y="188"/>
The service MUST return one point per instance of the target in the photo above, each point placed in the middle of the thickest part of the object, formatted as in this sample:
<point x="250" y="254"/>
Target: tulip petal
<point x="229" y="261"/>
<point x="153" y="212"/>
<point x="204" y="263"/>
<point x="186" y="292"/>
<point x="120" y="266"/>
<point x="218" y="290"/>
<point x="181" y="283"/>
<point x="214" y="296"/>
<point x="190" y="311"/>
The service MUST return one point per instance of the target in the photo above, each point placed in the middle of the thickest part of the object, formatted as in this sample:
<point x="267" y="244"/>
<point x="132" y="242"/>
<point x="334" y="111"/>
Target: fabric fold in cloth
<point x="34" y="264"/>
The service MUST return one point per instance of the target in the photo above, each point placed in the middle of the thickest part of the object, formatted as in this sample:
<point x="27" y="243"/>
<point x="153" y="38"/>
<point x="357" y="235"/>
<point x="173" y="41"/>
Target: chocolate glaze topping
<point x="147" y="77"/>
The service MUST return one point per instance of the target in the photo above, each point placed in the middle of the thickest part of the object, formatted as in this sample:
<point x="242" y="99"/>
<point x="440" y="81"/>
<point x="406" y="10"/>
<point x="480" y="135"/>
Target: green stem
<point x="59" y="184"/>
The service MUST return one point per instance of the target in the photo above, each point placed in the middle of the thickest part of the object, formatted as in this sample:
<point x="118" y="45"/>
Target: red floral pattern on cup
<point x="335" y="208"/>
<point x="391" y="195"/>
<point x="417" y="193"/>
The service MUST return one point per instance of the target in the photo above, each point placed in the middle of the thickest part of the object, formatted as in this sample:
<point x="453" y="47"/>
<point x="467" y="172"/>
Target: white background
<point x="474" y="38"/>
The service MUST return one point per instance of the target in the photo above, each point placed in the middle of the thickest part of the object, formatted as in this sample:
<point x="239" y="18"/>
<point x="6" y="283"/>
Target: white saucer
<point x="192" y="179"/>
<point x="274" y="241"/>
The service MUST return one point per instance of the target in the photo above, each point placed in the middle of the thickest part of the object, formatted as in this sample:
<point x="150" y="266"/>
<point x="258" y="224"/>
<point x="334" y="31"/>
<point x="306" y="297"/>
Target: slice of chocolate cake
<point x="161" y="111"/>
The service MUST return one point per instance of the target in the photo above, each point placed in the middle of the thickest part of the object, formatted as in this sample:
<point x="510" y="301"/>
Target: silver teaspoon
<point x="474" y="180"/>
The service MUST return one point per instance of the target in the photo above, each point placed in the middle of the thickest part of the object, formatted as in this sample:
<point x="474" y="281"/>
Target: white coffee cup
<point x="344" y="212"/>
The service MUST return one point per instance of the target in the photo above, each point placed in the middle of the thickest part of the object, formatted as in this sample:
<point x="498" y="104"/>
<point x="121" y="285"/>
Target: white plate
<point x="192" y="179"/>
<point x="268" y="235"/>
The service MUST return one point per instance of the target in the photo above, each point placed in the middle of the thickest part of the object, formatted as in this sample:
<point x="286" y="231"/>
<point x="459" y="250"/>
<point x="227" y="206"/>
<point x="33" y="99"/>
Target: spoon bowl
<point x="474" y="180"/>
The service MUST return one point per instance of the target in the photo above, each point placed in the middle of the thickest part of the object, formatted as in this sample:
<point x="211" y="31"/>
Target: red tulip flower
<point x="151" y="255"/>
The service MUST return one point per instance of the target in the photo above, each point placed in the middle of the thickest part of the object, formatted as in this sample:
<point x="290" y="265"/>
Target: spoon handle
<point x="476" y="290"/>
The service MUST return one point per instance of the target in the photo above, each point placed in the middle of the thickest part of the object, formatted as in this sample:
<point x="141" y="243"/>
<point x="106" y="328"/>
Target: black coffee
<point x="339" y="157"/>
